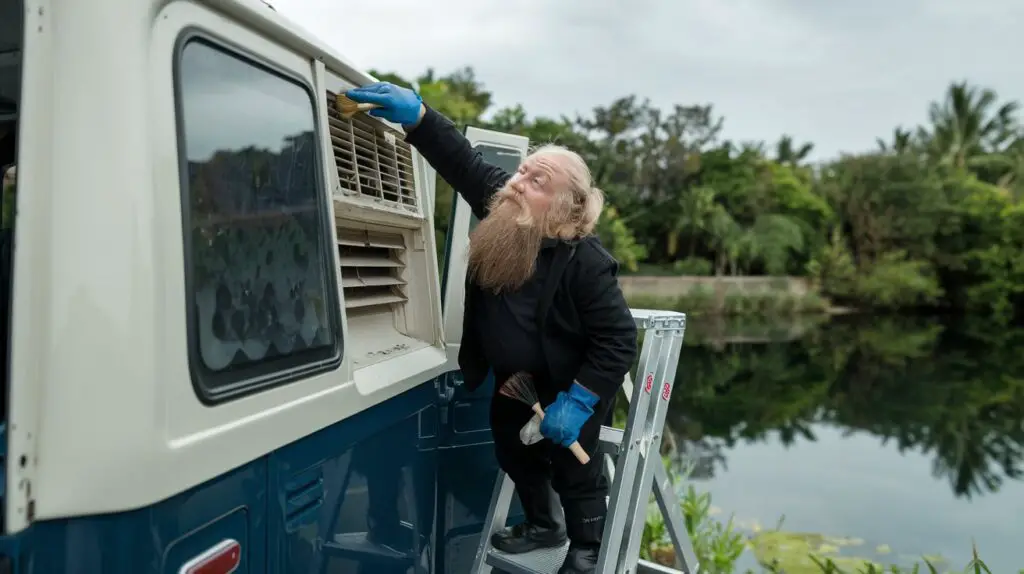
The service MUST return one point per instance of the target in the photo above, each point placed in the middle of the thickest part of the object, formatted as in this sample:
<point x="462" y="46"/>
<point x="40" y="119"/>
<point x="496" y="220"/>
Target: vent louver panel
<point x="372" y="159"/>
<point x="371" y="268"/>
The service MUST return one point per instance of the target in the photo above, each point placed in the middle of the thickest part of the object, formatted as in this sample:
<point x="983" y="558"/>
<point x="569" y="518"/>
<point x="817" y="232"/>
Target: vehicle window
<point x="503" y="157"/>
<point x="259" y="272"/>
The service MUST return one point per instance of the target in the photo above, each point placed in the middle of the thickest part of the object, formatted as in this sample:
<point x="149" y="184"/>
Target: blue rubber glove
<point x="565" y="417"/>
<point x="400" y="105"/>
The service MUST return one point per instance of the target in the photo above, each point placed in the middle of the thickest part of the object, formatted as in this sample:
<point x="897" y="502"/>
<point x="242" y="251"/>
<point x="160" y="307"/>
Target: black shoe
<point x="526" y="538"/>
<point x="580" y="560"/>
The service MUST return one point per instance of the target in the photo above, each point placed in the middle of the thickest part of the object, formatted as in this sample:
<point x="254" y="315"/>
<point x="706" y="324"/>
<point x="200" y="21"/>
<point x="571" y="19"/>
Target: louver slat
<point x="374" y="299"/>
<point x="372" y="160"/>
<point x="371" y="268"/>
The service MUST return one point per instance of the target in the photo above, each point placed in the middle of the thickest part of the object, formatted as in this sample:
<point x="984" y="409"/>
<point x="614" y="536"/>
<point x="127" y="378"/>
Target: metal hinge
<point x="445" y="386"/>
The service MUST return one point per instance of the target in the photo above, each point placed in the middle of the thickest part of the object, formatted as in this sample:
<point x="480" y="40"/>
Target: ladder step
<point x="544" y="561"/>
<point x="646" y="567"/>
<point x="548" y="561"/>
<point x="357" y="546"/>
<point x="611" y="436"/>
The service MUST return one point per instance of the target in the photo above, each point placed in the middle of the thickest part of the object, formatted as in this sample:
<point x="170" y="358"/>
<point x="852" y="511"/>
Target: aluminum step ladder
<point x="637" y="471"/>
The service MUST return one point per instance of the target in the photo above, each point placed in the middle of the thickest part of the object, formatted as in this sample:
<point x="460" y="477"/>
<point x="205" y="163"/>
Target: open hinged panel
<point x="11" y="22"/>
<point x="506" y="151"/>
<point x="385" y="237"/>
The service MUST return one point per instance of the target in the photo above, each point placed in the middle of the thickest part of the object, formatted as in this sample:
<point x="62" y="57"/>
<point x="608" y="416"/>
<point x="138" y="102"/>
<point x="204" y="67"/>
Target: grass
<point x="719" y="545"/>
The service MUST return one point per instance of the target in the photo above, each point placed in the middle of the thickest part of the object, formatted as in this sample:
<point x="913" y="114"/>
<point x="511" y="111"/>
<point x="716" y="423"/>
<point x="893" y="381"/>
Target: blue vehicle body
<point x="413" y="457"/>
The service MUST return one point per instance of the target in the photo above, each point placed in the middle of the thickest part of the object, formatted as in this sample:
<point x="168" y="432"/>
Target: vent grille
<point x="372" y="159"/>
<point x="371" y="268"/>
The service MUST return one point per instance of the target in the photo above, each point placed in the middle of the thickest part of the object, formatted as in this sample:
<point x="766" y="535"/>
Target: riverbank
<point x="703" y="302"/>
<point x="726" y="296"/>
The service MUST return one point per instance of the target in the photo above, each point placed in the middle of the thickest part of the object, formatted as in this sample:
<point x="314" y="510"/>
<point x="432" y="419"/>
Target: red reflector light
<point x="223" y="558"/>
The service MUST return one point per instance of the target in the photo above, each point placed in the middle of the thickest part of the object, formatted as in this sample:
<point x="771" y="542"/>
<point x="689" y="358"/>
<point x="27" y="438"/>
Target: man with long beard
<point x="542" y="297"/>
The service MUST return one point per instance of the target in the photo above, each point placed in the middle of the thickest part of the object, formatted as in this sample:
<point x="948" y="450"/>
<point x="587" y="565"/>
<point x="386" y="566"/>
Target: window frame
<point x="216" y="387"/>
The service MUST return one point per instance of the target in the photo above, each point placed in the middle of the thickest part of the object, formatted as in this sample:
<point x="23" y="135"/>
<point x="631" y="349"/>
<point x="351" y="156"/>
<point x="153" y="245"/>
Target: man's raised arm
<point x="438" y="141"/>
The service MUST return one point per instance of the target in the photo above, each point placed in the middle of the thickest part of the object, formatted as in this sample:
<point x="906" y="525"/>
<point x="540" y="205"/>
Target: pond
<point x="891" y="437"/>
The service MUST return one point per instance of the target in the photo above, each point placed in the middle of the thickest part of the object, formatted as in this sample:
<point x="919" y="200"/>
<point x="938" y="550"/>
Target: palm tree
<point x="696" y="208"/>
<point x="787" y="152"/>
<point x="902" y="139"/>
<point x="771" y="239"/>
<point x="969" y="123"/>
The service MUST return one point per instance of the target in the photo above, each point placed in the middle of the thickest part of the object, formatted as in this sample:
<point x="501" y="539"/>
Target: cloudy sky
<point x="834" y="72"/>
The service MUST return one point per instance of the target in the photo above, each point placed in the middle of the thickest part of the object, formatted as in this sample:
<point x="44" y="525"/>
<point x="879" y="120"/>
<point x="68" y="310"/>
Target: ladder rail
<point x="501" y="501"/>
<point x="670" y="507"/>
<point x="620" y="552"/>
<point x="675" y="522"/>
<point x="629" y="453"/>
<point x="668" y="503"/>
<point x="646" y="480"/>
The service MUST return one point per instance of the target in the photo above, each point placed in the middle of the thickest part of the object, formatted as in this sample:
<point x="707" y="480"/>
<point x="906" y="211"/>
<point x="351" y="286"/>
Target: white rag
<point x="530" y="433"/>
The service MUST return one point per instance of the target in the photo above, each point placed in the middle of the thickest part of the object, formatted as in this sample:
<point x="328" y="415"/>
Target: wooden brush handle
<point x="353" y="110"/>
<point x="581" y="455"/>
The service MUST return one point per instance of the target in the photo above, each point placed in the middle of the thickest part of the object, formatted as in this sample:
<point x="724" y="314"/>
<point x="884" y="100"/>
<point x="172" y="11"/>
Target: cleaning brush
<point x="519" y="387"/>
<point x="348" y="108"/>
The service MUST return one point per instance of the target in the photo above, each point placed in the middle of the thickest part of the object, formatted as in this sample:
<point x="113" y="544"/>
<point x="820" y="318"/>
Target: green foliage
<point x="693" y="266"/>
<point x="718" y="547"/>
<point x="932" y="219"/>
<point x="619" y="240"/>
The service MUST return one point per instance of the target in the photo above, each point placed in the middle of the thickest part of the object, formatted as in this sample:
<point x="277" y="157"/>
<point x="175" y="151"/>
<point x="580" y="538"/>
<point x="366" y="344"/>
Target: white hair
<point x="580" y="208"/>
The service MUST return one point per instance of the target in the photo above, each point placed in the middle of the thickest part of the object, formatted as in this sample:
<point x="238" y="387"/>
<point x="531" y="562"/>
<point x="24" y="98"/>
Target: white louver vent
<point x="372" y="159"/>
<point x="372" y="264"/>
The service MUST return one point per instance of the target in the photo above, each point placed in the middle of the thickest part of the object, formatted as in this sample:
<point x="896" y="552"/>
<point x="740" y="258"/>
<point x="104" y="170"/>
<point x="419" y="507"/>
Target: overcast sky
<point x="837" y="73"/>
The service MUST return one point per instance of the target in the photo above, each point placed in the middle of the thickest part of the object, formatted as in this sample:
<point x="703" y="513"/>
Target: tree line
<point x="930" y="220"/>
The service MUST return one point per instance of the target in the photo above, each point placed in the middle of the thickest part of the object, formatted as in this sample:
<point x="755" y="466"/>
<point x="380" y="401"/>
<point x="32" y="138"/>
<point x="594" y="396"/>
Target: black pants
<point x="538" y="468"/>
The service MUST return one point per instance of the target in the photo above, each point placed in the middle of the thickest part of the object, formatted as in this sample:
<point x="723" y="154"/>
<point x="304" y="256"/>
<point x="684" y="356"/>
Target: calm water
<point x="899" y="432"/>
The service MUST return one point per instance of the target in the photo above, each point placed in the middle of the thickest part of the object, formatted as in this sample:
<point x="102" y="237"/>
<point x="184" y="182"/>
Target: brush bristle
<point x="519" y="387"/>
<point x="348" y="107"/>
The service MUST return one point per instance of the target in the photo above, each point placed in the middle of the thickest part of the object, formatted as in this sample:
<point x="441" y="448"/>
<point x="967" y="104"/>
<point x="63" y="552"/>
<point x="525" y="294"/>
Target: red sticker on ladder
<point x="649" y="383"/>
<point x="666" y="391"/>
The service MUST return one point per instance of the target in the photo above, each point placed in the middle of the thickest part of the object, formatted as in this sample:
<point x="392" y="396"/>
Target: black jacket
<point x="588" y="331"/>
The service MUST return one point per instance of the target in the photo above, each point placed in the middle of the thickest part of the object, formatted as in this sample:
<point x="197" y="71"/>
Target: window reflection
<point x="257" y="253"/>
<point x="507" y="159"/>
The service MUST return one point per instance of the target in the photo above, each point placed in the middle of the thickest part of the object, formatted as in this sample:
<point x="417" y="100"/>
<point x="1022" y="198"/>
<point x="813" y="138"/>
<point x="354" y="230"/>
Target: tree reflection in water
<point x="951" y="390"/>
